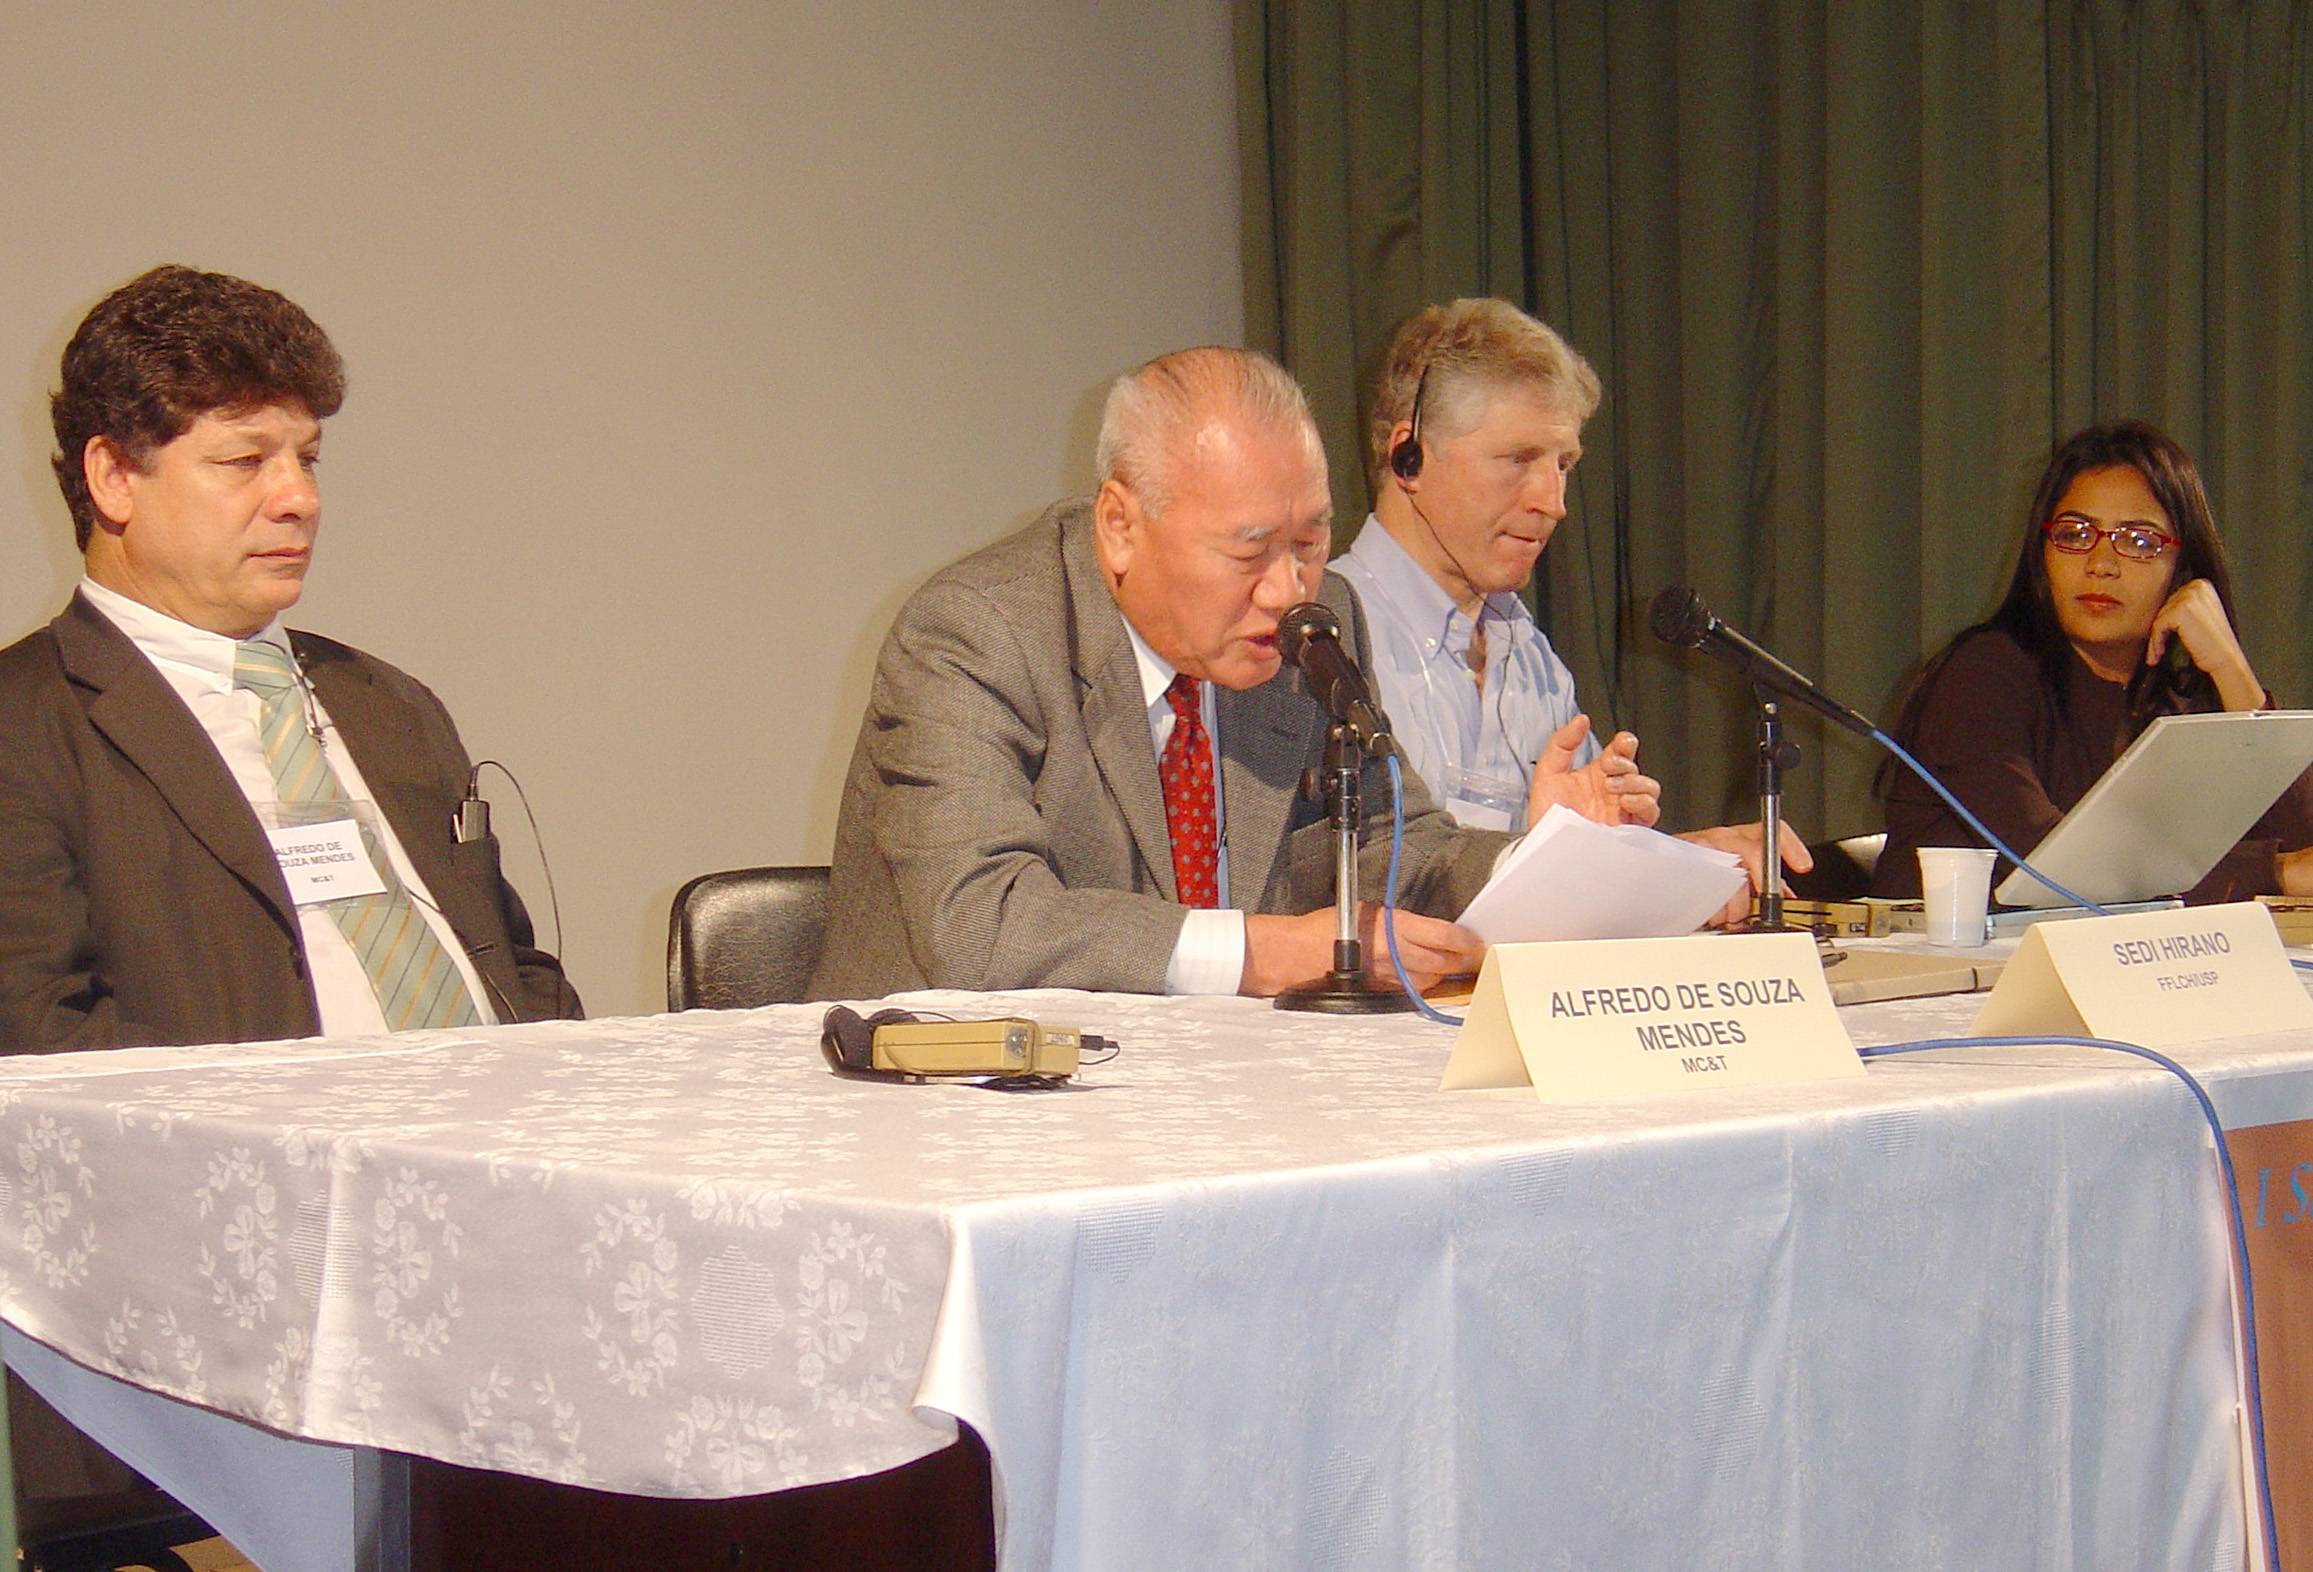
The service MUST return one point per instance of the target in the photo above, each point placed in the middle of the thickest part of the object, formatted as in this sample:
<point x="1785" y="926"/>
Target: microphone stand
<point x="1346" y="990"/>
<point x="1776" y="754"/>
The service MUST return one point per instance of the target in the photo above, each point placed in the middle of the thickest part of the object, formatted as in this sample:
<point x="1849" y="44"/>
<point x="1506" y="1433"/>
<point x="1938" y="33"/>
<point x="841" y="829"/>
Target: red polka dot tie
<point x="1186" y="772"/>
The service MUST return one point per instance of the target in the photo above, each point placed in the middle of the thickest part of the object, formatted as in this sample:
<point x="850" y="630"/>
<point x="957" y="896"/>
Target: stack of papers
<point x="1572" y="879"/>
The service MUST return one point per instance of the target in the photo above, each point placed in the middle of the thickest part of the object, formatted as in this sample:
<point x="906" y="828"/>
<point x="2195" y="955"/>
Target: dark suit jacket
<point x="1002" y="825"/>
<point x="139" y="899"/>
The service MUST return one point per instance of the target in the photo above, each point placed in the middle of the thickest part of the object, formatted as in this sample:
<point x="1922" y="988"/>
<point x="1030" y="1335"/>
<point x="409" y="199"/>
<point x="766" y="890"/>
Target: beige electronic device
<point x="901" y="1045"/>
<point x="1011" y="1046"/>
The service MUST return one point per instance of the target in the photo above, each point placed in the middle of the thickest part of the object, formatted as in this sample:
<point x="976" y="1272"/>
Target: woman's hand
<point x="2195" y="618"/>
<point x="2295" y="871"/>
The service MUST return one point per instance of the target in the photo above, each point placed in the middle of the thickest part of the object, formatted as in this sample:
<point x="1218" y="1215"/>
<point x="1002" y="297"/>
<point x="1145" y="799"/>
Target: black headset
<point x="1405" y="460"/>
<point x="848" y="1040"/>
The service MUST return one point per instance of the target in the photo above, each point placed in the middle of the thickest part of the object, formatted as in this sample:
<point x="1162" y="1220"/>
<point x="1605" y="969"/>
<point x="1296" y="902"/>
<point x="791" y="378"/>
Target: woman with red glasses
<point x="2120" y="610"/>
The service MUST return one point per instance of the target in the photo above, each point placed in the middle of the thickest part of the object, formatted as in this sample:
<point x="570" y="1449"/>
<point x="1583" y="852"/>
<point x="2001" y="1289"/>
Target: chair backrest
<point x="1842" y="869"/>
<point x="745" y="937"/>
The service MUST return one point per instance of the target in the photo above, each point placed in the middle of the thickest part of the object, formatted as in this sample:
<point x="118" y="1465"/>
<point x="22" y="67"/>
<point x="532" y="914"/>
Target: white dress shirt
<point x="198" y="666"/>
<point x="1209" y="956"/>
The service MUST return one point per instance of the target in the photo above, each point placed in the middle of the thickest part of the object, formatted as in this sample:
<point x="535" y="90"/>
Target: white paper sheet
<point x="1572" y="879"/>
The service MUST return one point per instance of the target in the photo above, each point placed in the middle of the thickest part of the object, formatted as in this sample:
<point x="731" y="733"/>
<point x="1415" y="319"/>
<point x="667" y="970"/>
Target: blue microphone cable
<point x="2236" y="1229"/>
<point x="1397" y="843"/>
<point x="1389" y="898"/>
<point x="1976" y="824"/>
<point x="2001" y="846"/>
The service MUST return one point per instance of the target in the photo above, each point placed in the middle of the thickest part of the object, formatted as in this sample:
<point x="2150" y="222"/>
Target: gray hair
<point x="1154" y="410"/>
<point x="1454" y="356"/>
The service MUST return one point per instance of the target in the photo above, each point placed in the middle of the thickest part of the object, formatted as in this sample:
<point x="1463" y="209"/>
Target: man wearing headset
<point x="1476" y="425"/>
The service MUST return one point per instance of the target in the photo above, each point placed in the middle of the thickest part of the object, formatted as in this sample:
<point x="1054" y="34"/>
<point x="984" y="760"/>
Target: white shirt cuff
<point x="1209" y="956"/>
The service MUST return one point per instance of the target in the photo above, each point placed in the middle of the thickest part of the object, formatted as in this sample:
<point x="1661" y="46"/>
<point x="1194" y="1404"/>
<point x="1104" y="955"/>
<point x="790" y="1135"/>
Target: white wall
<point x="683" y="340"/>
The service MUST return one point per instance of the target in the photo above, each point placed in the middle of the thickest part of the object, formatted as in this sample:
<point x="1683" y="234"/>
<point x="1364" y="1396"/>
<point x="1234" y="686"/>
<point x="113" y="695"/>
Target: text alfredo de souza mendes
<point x="1680" y="1017"/>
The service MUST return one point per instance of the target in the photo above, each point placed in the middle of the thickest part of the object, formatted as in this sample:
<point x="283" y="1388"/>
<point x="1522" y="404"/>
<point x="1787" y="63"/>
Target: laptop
<point x="2169" y="808"/>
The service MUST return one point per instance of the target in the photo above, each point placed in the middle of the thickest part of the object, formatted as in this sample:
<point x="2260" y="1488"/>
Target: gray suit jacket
<point x="139" y="899"/>
<point x="1002" y="825"/>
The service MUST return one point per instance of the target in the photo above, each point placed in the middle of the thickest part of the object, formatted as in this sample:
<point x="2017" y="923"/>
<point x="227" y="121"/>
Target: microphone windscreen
<point x="1678" y="616"/>
<point x="1303" y="622"/>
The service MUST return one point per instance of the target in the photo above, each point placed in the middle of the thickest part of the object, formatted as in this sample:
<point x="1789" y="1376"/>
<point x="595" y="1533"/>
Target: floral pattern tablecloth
<point x="1252" y="1294"/>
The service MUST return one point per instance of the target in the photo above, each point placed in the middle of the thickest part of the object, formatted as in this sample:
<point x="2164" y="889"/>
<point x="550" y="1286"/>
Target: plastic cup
<point x="1956" y="887"/>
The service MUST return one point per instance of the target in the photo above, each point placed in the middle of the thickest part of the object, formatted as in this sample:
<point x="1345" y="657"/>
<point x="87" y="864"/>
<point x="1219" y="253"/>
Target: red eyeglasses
<point x="2076" y="536"/>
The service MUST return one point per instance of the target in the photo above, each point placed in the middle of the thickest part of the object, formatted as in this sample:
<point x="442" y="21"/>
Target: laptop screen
<point x="2155" y="823"/>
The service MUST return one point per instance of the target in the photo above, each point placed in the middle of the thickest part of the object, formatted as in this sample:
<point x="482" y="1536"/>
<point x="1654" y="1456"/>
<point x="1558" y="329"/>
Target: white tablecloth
<point x="1255" y="1294"/>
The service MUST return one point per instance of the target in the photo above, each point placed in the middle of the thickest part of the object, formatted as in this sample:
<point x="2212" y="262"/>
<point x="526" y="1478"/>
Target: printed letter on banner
<point x="2275" y="1165"/>
<point x="2149" y="978"/>
<point x="1623" y="1017"/>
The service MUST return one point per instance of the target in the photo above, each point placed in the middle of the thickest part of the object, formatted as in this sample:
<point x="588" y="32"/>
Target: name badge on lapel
<point x="323" y="859"/>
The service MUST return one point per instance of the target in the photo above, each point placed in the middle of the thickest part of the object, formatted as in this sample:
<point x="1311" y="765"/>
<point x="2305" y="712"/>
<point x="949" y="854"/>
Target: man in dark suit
<point x="1007" y="821"/>
<point x="175" y="761"/>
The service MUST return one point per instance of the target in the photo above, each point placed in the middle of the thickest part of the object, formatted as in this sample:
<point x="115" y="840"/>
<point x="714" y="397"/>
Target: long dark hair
<point x="2027" y="613"/>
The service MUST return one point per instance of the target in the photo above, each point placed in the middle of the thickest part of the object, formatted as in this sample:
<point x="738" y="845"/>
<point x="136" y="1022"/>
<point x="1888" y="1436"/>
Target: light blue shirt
<point x="1473" y="747"/>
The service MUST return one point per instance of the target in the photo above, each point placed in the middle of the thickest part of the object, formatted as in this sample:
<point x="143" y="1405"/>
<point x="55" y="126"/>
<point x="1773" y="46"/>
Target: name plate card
<point x="2149" y="978"/>
<point x="1623" y="1017"/>
<point x="325" y="862"/>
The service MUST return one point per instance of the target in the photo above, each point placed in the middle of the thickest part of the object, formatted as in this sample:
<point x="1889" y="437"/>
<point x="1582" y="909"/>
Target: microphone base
<point x="1756" y="925"/>
<point x="1354" y="994"/>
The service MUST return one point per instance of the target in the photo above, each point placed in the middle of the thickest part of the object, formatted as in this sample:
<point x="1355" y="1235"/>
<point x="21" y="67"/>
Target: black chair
<point x="1842" y="870"/>
<point x="745" y="937"/>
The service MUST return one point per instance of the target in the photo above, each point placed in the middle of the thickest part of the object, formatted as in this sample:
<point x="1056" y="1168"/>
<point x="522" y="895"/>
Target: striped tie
<point x="416" y="982"/>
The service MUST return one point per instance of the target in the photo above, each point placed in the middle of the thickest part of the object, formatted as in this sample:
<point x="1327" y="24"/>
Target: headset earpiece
<point x="848" y="1040"/>
<point x="1405" y="459"/>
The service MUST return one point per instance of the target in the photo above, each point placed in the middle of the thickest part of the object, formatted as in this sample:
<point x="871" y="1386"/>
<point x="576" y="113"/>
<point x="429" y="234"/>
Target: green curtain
<point x="1847" y="273"/>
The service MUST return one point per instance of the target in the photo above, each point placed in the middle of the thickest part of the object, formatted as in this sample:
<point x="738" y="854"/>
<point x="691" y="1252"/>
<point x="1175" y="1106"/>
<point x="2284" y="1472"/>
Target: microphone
<point x="1309" y="636"/>
<point x="1678" y="616"/>
<point x="472" y="820"/>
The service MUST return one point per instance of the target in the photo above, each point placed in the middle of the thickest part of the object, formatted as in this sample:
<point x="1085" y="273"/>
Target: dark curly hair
<point x="168" y="347"/>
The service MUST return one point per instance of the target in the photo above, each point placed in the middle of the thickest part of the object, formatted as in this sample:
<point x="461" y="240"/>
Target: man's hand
<point x="1744" y="841"/>
<point x="2195" y="617"/>
<point x="1284" y="952"/>
<point x="1607" y="790"/>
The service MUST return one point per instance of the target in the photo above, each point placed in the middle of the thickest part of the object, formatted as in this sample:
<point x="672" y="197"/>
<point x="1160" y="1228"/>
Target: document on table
<point x="1572" y="879"/>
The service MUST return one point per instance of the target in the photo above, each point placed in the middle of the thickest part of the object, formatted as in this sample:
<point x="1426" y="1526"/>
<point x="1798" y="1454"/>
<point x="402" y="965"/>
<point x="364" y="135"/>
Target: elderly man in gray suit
<point x="1081" y="759"/>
